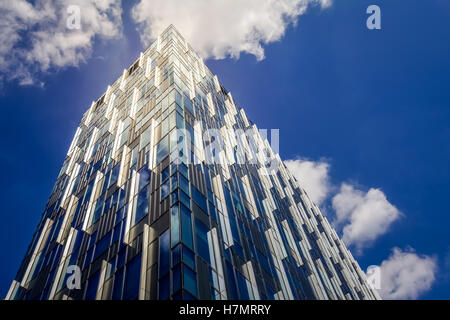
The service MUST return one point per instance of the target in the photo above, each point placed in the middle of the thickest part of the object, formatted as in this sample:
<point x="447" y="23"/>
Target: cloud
<point x="363" y="216"/>
<point x="222" y="28"/>
<point x="406" y="275"/>
<point x="312" y="176"/>
<point x="360" y="217"/>
<point x="34" y="36"/>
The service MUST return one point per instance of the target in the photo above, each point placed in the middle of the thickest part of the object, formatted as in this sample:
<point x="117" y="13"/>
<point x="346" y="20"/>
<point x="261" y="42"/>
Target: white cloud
<point x="224" y="27"/>
<point x="363" y="216"/>
<point x="34" y="37"/>
<point x="312" y="176"/>
<point x="406" y="275"/>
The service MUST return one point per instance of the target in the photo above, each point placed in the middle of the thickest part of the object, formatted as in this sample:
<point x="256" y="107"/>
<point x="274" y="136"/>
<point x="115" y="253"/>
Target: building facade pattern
<point x="142" y="220"/>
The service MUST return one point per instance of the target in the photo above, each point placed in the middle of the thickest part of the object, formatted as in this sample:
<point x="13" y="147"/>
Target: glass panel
<point x="201" y="232"/>
<point x="176" y="255"/>
<point x="142" y="205"/>
<point x="144" y="177"/>
<point x="114" y="175"/>
<point x="131" y="290"/>
<point x="165" y="189"/>
<point x="118" y="283"/>
<point x="173" y="198"/>
<point x="190" y="280"/>
<point x="165" y="174"/>
<point x="176" y="278"/>
<point x="184" y="185"/>
<point x="164" y="253"/>
<point x="91" y="290"/>
<point x="186" y="227"/>
<point x="184" y="198"/>
<point x="164" y="288"/>
<point x="162" y="149"/>
<point x="184" y="170"/>
<point x="199" y="199"/>
<point x="174" y="225"/>
<point x="189" y="257"/>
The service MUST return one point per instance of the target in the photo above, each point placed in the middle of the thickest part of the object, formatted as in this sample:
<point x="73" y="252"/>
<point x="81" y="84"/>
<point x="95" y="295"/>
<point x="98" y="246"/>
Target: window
<point x="184" y="185"/>
<point x="164" y="288"/>
<point x="178" y="98"/>
<point x="184" y="198"/>
<point x="165" y="174"/>
<point x="199" y="199"/>
<point x="188" y="104"/>
<point x="186" y="228"/>
<point x="184" y="170"/>
<point x="176" y="255"/>
<point x="173" y="198"/>
<point x="144" y="177"/>
<point x="118" y="283"/>
<point x="190" y="280"/>
<point x="165" y="190"/>
<point x="189" y="257"/>
<point x="91" y="290"/>
<point x="141" y="205"/>
<point x="162" y="149"/>
<point x="174" y="225"/>
<point x="122" y="196"/>
<point x="176" y="278"/>
<point x="164" y="253"/>
<point x="201" y="235"/>
<point x="133" y="272"/>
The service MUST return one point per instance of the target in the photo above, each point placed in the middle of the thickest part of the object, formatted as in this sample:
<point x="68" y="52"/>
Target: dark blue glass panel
<point x="201" y="232"/>
<point x="186" y="228"/>
<point x="164" y="253"/>
<point x="199" y="199"/>
<point x="118" y="283"/>
<point x="184" y="170"/>
<point x="184" y="198"/>
<point x="102" y="245"/>
<point x="174" y="182"/>
<point x="176" y="255"/>
<point x="190" y="280"/>
<point x="243" y="291"/>
<point x="189" y="257"/>
<point x="231" y="282"/>
<point x="184" y="185"/>
<point x="141" y="206"/>
<point x="121" y="257"/>
<point x="164" y="288"/>
<point x="165" y="174"/>
<point x="91" y="290"/>
<point x="133" y="273"/>
<point x="176" y="278"/>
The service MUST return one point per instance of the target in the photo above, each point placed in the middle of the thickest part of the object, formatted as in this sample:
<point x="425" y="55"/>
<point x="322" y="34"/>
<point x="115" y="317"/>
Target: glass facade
<point x="141" y="211"/>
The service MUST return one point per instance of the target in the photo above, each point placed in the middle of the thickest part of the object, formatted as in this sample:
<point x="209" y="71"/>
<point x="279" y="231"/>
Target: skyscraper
<point x="168" y="191"/>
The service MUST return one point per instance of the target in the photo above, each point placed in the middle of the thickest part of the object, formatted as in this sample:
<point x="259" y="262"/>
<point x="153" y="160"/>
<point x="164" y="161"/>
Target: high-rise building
<point x="168" y="191"/>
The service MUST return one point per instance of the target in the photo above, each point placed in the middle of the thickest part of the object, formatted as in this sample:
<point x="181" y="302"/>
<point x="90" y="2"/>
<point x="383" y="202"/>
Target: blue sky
<point x="372" y="105"/>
